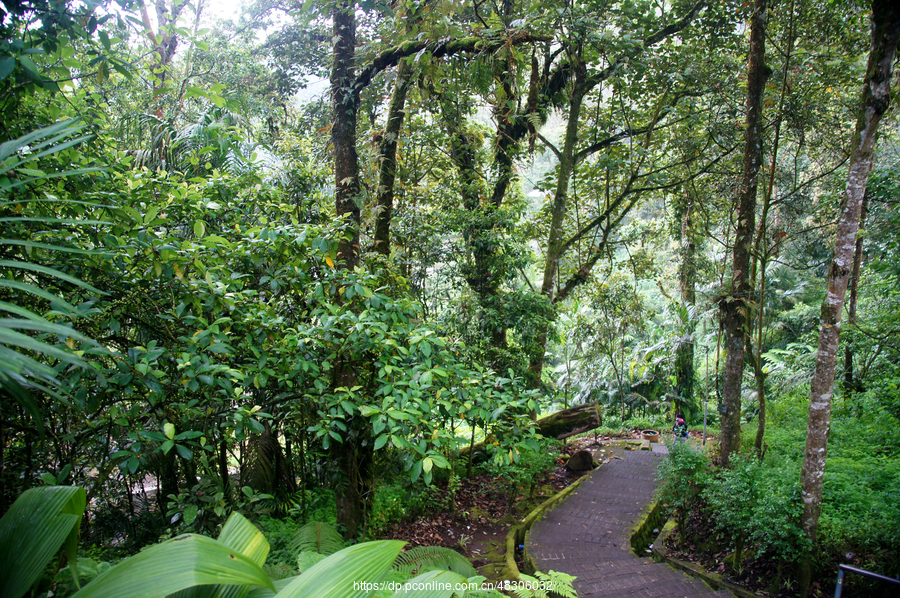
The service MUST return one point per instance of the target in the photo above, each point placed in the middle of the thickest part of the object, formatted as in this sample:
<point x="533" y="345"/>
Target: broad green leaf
<point x="241" y="535"/>
<point x="334" y="577"/>
<point x="7" y="66"/>
<point x="31" y="69"/>
<point x="190" y="514"/>
<point x="180" y="563"/>
<point x="216" y="240"/>
<point x="439" y="460"/>
<point x="366" y="410"/>
<point x="260" y="592"/>
<point x="169" y="430"/>
<point x="33" y="530"/>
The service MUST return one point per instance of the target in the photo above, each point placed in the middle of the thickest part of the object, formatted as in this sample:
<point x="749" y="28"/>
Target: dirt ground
<point x="477" y="529"/>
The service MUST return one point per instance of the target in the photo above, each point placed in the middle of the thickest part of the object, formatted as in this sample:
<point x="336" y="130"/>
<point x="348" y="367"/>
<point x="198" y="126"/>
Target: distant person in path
<point x="681" y="430"/>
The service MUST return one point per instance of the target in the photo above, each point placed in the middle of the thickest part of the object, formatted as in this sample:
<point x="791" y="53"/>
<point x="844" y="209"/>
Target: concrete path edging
<point x="588" y="535"/>
<point x="693" y="569"/>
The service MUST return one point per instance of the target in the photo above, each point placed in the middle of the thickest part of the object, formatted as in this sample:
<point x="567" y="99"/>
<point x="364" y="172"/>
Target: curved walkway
<point x="588" y="535"/>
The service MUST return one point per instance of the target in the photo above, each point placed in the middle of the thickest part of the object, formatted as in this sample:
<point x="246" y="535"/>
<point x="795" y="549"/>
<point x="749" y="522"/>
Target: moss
<point x="495" y="554"/>
<point x="476" y="513"/>
<point x="642" y="534"/>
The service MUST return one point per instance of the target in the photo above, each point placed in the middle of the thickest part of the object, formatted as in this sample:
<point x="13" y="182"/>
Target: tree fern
<point x="318" y="537"/>
<point x="426" y="558"/>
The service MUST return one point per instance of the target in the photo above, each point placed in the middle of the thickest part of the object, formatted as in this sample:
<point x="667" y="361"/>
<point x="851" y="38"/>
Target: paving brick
<point x="587" y="535"/>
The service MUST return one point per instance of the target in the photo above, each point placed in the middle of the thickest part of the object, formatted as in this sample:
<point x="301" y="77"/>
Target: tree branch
<point x="479" y="44"/>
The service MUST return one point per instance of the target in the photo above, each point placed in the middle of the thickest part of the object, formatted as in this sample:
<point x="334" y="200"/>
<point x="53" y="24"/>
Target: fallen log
<point x="573" y="420"/>
<point x="559" y="425"/>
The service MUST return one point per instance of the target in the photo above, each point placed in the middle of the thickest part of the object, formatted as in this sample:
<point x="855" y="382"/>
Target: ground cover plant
<point x="225" y="295"/>
<point x="745" y="521"/>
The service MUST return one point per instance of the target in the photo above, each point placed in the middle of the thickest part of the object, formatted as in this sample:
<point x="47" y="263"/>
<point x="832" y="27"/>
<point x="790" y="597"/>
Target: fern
<point x="544" y="585"/>
<point x="279" y="571"/>
<point x="426" y="558"/>
<point x="317" y="536"/>
<point x="307" y="559"/>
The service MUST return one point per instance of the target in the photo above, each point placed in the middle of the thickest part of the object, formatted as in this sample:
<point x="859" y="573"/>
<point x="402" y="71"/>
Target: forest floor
<point x="484" y="512"/>
<point x="758" y="575"/>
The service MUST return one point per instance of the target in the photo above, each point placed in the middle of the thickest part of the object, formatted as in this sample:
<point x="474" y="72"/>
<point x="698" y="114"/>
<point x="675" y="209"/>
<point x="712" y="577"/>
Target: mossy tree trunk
<point x="735" y="306"/>
<point x="876" y="97"/>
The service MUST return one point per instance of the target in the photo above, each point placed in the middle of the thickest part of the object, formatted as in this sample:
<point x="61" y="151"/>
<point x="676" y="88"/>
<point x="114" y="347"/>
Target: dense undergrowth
<point x="420" y="516"/>
<point x="745" y="521"/>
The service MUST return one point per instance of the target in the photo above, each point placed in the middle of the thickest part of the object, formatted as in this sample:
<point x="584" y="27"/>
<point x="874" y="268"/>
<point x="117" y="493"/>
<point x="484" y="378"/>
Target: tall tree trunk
<point x="168" y="482"/>
<point x="853" y="385"/>
<point x="165" y="40"/>
<point x="687" y="275"/>
<point x="349" y="496"/>
<point x="874" y="103"/>
<point x="223" y="465"/>
<point x="507" y="142"/>
<point x="356" y="460"/>
<point x="555" y="240"/>
<point x="734" y="309"/>
<point x="761" y="253"/>
<point x="345" y="106"/>
<point x="387" y="170"/>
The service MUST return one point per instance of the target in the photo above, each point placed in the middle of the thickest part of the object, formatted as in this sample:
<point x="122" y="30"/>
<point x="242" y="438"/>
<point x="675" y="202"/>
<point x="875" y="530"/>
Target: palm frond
<point x="28" y="337"/>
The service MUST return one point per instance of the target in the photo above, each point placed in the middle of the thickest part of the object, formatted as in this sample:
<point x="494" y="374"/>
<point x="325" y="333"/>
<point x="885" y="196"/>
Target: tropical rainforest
<point x="303" y="263"/>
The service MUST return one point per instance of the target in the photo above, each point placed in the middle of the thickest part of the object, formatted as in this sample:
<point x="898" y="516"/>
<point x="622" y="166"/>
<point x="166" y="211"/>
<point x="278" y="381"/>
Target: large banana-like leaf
<point x="244" y="537"/>
<point x="33" y="530"/>
<point x="335" y="576"/>
<point x="240" y="534"/>
<point x="180" y="563"/>
<point x="260" y="592"/>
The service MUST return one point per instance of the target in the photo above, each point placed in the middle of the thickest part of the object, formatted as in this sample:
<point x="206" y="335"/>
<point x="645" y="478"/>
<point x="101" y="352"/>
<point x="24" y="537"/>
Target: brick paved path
<point x="588" y="535"/>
